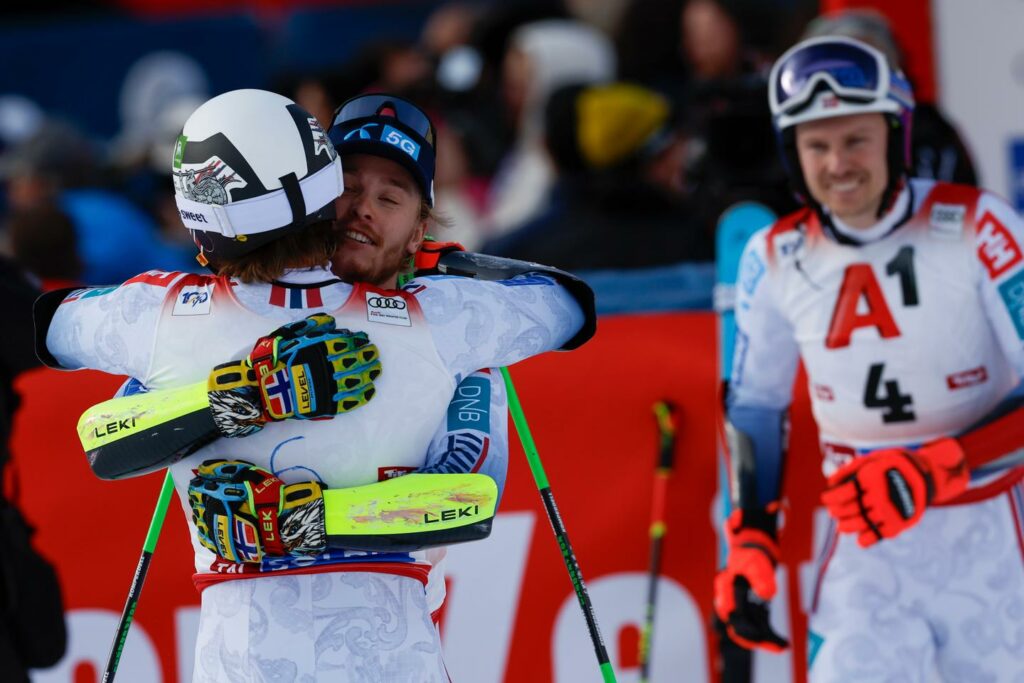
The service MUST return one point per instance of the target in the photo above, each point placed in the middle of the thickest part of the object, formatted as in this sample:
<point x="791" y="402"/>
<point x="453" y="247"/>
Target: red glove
<point x="430" y="252"/>
<point x="882" y="494"/>
<point x="744" y="588"/>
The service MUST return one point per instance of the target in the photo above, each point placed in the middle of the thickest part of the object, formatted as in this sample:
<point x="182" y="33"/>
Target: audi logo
<point x="382" y="302"/>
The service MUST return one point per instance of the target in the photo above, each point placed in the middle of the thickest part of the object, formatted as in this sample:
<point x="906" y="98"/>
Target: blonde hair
<point x="306" y="248"/>
<point x="433" y="217"/>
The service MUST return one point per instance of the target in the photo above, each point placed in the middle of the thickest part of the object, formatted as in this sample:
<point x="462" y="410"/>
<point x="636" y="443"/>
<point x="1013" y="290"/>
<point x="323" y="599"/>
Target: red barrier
<point x="511" y="607"/>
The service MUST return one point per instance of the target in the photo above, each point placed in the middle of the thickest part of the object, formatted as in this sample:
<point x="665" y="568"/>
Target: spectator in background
<point x="388" y="65"/>
<point x="53" y="157"/>
<point x="648" y="40"/>
<point x="43" y="243"/>
<point x="449" y="26"/>
<point x="541" y="57"/>
<point x="315" y="96"/>
<point x="936" y="149"/>
<point x="734" y="155"/>
<point x="470" y="81"/>
<point x="464" y="107"/>
<point x="140" y="160"/>
<point x="466" y="42"/>
<point x="712" y="42"/>
<point x="20" y="117"/>
<point x="619" y="199"/>
<point x="115" y="239"/>
<point x="604" y="15"/>
<point x="32" y="628"/>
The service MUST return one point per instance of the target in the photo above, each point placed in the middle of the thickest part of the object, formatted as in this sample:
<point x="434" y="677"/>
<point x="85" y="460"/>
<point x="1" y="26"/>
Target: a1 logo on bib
<point x="193" y="300"/>
<point x="390" y="310"/>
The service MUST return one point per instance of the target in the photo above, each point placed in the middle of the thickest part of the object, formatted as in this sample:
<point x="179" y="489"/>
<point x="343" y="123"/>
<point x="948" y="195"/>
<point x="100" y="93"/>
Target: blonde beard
<point x="384" y="276"/>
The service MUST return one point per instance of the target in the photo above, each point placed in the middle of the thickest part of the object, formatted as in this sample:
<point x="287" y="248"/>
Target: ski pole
<point x="132" y="602"/>
<point x="568" y="555"/>
<point x="664" y="411"/>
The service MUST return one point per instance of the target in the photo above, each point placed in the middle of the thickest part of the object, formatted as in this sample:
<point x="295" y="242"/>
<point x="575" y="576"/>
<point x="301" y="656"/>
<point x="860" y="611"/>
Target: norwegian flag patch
<point x="278" y="393"/>
<point x="246" y="543"/>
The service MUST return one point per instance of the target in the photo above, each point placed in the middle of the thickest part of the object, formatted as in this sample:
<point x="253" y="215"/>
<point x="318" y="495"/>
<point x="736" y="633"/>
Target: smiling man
<point x="386" y="145"/>
<point x="844" y="164"/>
<point x="381" y="218"/>
<point x="904" y="298"/>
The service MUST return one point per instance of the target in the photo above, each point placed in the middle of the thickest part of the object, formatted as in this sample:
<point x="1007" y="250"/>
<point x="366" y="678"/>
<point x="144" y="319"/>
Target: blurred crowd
<point x="605" y="134"/>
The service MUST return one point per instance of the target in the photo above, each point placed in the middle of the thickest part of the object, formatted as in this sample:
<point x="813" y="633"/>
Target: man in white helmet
<point x="257" y="182"/>
<point x="904" y="298"/>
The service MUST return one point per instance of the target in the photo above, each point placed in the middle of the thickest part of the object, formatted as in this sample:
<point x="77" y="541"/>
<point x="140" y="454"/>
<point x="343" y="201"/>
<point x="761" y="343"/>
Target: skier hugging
<point x="307" y="235"/>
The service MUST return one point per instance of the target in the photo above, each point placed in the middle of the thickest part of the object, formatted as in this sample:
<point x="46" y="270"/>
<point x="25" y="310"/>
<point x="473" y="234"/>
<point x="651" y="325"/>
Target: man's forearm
<point x="137" y="434"/>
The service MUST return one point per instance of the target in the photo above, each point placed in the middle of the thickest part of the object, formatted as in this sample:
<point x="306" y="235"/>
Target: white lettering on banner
<point x="619" y="602"/>
<point x="186" y="630"/>
<point x="89" y="636"/>
<point x="472" y="652"/>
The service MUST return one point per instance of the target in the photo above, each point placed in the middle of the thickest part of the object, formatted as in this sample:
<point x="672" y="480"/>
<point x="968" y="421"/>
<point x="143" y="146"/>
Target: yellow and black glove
<point x="244" y="513"/>
<point x="303" y="370"/>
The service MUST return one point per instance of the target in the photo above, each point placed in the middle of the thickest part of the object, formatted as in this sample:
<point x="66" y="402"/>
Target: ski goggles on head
<point x="852" y="71"/>
<point x="391" y="127"/>
<point x="370" y="106"/>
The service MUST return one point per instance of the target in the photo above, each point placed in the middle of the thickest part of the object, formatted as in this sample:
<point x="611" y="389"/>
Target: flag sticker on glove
<point x="277" y="390"/>
<point x="300" y="380"/>
<point x="246" y="542"/>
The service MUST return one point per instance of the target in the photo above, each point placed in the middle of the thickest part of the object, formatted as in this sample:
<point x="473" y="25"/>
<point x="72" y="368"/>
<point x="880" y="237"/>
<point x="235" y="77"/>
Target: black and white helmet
<point x="249" y="167"/>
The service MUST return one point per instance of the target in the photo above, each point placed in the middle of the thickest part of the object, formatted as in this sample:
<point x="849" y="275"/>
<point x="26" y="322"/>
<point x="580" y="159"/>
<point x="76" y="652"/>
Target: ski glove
<point x="429" y="255"/>
<point x="303" y="370"/>
<point x="244" y="513"/>
<point x="745" y="587"/>
<point x="886" y="492"/>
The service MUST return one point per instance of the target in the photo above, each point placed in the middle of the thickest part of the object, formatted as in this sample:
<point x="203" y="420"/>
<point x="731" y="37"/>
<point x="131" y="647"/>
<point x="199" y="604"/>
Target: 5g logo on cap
<point x="400" y="140"/>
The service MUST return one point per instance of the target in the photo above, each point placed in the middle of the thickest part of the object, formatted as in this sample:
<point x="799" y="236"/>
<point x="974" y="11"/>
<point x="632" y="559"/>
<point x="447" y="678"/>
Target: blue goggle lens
<point x="848" y="65"/>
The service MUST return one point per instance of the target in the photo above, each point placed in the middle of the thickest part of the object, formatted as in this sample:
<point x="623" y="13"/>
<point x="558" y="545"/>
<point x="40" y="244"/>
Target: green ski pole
<point x="152" y="535"/>
<point x="568" y="556"/>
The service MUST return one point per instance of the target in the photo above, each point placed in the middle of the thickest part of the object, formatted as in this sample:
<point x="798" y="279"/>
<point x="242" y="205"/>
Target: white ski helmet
<point x="249" y="167"/>
<point x="832" y="76"/>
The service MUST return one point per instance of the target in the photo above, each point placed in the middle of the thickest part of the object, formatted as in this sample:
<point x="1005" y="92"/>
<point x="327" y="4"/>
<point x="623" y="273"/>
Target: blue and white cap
<point x="388" y="126"/>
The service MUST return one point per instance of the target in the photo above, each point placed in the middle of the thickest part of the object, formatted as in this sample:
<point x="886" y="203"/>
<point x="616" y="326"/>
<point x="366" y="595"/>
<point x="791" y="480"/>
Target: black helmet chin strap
<point x="293" y="193"/>
<point x="896" y="162"/>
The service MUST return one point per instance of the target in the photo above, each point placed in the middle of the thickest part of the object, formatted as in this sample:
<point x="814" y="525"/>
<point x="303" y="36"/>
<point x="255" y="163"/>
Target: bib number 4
<point x="884" y="394"/>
